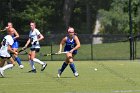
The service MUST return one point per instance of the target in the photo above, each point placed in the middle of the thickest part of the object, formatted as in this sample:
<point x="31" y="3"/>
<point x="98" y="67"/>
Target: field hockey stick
<point x="22" y="51"/>
<point x="53" y="54"/>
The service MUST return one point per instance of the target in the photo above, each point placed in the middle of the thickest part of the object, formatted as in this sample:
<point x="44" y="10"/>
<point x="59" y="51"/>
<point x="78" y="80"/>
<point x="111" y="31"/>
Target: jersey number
<point x="72" y="46"/>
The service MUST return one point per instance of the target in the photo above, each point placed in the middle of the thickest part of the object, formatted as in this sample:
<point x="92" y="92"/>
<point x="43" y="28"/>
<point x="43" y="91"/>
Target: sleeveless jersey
<point x="33" y="35"/>
<point x="7" y="40"/>
<point x="15" y="44"/>
<point x="70" y="44"/>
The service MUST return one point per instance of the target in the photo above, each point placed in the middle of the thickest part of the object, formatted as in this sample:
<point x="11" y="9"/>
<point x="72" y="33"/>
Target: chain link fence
<point x="93" y="47"/>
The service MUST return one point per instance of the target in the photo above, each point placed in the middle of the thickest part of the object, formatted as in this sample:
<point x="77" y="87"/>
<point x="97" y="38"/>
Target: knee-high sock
<point x="32" y="64"/>
<point x="18" y="60"/>
<point x="72" y="66"/>
<point x="63" y="67"/>
<point x="7" y="66"/>
<point x="38" y="61"/>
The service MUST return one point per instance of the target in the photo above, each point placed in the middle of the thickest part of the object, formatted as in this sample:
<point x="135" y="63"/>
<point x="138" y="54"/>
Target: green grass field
<point x="111" y="77"/>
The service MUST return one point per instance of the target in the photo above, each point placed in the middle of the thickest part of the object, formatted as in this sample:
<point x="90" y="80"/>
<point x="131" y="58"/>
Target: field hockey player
<point x="34" y="37"/>
<point x="72" y="43"/>
<point x="5" y="51"/>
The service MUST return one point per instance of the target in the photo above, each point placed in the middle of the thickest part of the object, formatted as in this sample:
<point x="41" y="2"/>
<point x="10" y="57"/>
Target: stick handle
<point x="53" y="54"/>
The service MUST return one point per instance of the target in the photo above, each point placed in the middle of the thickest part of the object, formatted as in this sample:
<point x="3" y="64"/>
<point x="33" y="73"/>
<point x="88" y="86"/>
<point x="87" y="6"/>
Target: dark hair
<point x="33" y="22"/>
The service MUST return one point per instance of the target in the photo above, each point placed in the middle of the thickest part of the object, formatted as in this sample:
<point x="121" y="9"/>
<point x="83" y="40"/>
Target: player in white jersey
<point x="34" y="37"/>
<point x="5" y="51"/>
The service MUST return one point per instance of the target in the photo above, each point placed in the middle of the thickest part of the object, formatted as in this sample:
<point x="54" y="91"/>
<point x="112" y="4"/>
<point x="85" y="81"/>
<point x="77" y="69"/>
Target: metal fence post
<point x="51" y="52"/>
<point x="91" y="47"/>
<point x="131" y="33"/>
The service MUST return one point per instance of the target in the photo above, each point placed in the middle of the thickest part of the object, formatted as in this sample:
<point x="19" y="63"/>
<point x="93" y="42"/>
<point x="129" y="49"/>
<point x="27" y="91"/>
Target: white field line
<point x="126" y="91"/>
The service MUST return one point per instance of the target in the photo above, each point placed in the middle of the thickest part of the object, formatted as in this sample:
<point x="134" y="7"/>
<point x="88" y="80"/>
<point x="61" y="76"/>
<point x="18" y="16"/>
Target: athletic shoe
<point x="21" y="66"/>
<point x="32" y="71"/>
<point x="76" y="74"/>
<point x="44" y="66"/>
<point x="1" y="72"/>
<point x="59" y="73"/>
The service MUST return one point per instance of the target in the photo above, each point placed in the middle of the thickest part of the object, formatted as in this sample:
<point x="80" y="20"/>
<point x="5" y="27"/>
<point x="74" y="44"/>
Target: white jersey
<point x="33" y="35"/>
<point x="7" y="40"/>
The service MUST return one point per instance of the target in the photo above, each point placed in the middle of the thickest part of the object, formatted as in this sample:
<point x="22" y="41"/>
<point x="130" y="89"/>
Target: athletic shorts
<point x="35" y="49"/>
<point x="4" y="57"/>
<point x="74" y="52"/>
<point x="15" y="45"/>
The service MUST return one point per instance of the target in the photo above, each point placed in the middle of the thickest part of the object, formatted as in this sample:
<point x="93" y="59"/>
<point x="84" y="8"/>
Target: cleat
<point x="1" y="72"/>
<point x="44" y="66"/>
<point x="76" y="74"/>
<point x="21" y="66"/>
<point x="59" y="73"/>
<point x="32" y="71"/>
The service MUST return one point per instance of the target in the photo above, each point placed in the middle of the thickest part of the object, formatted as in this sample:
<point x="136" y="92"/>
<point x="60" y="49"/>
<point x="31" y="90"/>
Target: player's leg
<point x="18" y="60"/>
<point x="71" y="64"/>
<point x="7" y="66"/>
<point x="15" y="48"/>
<point x="64" y="65"/>
<point x="2" y="61"/>
<point x="37" y="60"/>
<point x="12" y="61"/>
<point x="31" y="54"/>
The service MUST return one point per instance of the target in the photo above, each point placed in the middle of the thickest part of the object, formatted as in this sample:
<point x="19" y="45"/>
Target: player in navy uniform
<point x="15" y="45"/>
<point x="34" y="37"/>
<point x="72" y="43"/>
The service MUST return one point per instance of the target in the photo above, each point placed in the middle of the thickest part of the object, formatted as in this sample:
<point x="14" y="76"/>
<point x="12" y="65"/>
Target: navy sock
<point x="72" y="66"/>
<point x="63" y="67"/>
<point x="18" y="60"/>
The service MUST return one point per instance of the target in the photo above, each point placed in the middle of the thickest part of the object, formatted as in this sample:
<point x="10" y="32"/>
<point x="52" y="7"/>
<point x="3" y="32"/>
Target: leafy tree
<point x="116" y="20"/>
<point x="84" y="14"/>
<point x="51" y="15"/>
<point x="67" y="11"/>
<point x="35" y="11"/>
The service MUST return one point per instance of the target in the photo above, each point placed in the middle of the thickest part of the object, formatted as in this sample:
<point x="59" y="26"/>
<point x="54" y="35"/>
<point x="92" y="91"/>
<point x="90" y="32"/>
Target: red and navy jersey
<point x="15" y="40"/>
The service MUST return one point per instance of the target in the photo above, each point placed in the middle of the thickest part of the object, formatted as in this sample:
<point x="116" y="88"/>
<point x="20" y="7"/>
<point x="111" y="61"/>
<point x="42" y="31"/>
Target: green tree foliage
<point x="36" y="12"/>
<point x="49" y="14"/>
<point x="46" y="13"/>
<point x="85" y="12"/>
<point x="116" y="20"/>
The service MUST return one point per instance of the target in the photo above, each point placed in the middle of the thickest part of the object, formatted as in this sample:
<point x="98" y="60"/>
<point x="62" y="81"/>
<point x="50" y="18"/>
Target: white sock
<point x="38" y="61"/>
<point x="32" y="64"/>
<point x="7" y="66"/>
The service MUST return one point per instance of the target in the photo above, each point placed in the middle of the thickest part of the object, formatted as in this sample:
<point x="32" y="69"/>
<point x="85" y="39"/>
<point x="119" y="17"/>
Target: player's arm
<point x="61" y="44"/>
<point x="3" y="30"/>
<point x="27" y="43"/>
<point x="16" y="34"/>
<point x="77" y="44"/>
<point x="40" y="37"/>
<point x="11" y="50"/>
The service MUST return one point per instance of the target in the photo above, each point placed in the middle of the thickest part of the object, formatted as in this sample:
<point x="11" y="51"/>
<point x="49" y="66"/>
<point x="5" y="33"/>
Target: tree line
<point x="54" y="16"/>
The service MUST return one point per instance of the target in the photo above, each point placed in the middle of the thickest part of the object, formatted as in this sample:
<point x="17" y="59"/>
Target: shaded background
<point x="102" y="26"/>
